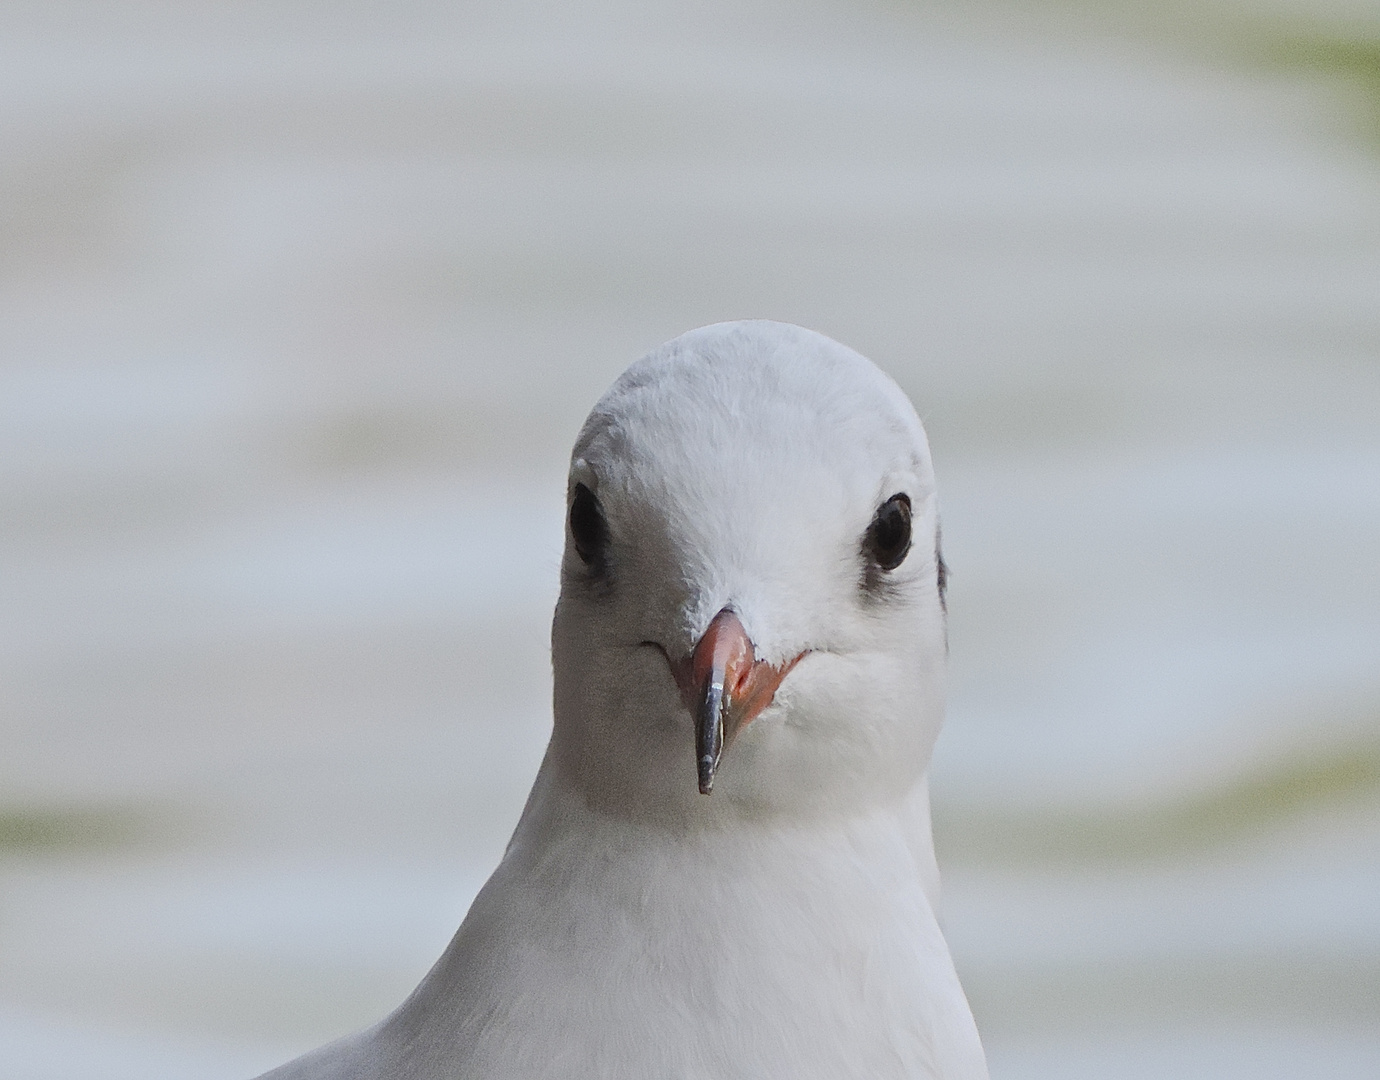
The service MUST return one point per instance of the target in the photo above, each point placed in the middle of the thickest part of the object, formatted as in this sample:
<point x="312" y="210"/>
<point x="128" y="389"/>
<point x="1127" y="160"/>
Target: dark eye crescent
<point x="888" y="537"/>
<point x="588" y="529"/>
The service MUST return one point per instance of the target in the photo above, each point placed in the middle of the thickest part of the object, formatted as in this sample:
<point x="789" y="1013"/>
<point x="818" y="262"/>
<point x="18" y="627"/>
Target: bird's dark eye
<point x="588" y="529"/>
<point x="888" y="537"/>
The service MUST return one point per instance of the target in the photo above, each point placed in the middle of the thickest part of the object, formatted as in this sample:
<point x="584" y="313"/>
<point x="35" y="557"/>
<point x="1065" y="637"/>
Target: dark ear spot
<point x="589" y="531"/>
<point x="941" y="570"/>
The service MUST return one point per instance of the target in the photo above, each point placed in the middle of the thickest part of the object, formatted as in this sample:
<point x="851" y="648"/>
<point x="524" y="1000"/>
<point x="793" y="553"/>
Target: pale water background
<point x="301" y="306"/>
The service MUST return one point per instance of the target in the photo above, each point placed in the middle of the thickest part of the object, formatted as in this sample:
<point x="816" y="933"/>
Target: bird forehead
<point x="758" y="414"/>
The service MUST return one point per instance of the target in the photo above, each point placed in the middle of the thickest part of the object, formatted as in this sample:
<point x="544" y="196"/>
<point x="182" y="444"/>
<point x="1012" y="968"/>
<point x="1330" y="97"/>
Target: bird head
<point x="751" y="600"/>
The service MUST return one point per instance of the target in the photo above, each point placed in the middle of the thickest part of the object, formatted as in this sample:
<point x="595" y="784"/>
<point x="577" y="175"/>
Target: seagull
<point x="725" y="868"/>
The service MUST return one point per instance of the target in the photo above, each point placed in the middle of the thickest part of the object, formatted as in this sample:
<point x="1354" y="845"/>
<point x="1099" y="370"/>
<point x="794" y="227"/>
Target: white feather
<point x="785" y="926"/>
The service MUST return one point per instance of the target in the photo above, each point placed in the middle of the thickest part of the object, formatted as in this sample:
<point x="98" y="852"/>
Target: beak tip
<point x="707" y="764"/>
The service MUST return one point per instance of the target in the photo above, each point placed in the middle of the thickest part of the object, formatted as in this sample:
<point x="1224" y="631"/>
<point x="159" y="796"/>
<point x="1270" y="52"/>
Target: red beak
<point x="724" y="686"/>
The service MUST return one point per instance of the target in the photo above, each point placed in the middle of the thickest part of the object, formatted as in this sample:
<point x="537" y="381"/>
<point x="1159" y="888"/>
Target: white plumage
<point x="783" y="926"/>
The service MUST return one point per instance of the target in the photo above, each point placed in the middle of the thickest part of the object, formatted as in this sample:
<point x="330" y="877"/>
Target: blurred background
<point x="302" y="304"/>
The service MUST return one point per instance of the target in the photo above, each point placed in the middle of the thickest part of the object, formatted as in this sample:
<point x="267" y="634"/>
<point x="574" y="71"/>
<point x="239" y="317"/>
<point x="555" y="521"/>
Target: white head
<point x="764" y="470"/>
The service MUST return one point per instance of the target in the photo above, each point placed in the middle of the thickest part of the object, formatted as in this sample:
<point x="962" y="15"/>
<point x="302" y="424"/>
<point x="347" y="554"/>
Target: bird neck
<point x="561" y="810"/>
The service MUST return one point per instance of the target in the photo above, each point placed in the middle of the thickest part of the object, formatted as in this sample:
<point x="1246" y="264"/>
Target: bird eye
<point x="888" y="537"/>
<point x="588" y="529"/>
